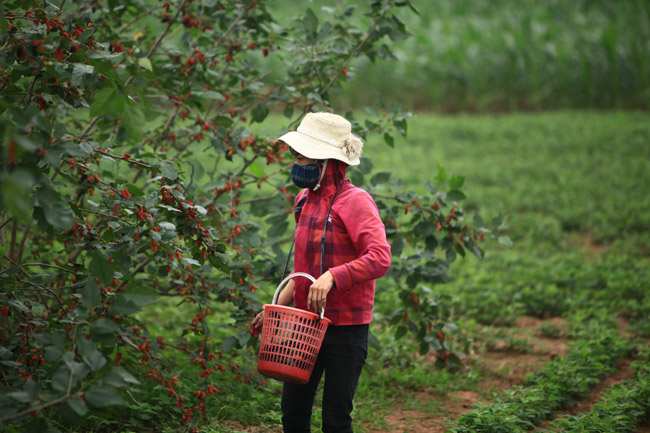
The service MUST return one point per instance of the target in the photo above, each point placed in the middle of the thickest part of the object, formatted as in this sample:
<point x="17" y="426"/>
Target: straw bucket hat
<point x="325" y="136"/>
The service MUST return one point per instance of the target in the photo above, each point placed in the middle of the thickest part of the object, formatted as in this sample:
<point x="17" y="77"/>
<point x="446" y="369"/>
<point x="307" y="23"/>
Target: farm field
<point x="145" y="209"/>
<point x="557" y="324"/>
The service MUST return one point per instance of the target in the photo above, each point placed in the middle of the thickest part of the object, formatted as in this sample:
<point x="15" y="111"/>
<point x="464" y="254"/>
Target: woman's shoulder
<point x="353" y="192"/>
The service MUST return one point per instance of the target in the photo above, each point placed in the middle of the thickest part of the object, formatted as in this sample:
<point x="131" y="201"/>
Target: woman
<point x="341" y="241"/>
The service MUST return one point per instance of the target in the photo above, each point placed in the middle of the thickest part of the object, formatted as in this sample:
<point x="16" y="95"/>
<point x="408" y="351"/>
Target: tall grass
<point x="508" y="54"/>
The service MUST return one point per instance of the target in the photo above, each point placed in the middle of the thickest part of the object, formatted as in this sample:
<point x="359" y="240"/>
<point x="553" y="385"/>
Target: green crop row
<point x="559" y="382"/>
<point x="620" y="409"/>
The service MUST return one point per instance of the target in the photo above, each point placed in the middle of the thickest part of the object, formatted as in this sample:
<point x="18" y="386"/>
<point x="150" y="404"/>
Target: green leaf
<point x="212" y="95"/>
<point x="61" y="378"/>
<point x="107" y="100"/>
<point x="434" y="343"/>
<point x="102" y="396"/>
<point x="431" y="242"/>
<point x="455" y="195"/>
<point x="505" y="240"/>
<point x="168" y="171"/>
<point x="218" y="263"/>
<point x="389" y="139"/>
<point x="412" y="7"/>
<point x="16" y="193"/>
<point x="380" y="178"/>
<point x="56" y="210"/>
<point x="401" y="126"/>
<point x="119" y="377"/>
<point x="278" y="230"/>
<point x="450" y="256"/>
<point x="78" y="406"/>
<point x="101" y="268"/>
<point x="20" y="396"/>
<point x="102" y="330"/>
<point x="456" y="182"/>
<point x="442" y="174"/>
<point x="365" y="166"/>
<point x="134" y="190"/>
<point x="145" y="63"/>
<point x="167" y="226"/>
<point x="5" y="353"/>
<point x="141" y="295"/>
<point x="397" y="247"/>
<point x="105" y="55"/>
<point x="121" y="306"/>
<point x="132" y="120"/>
<point x="79" y="72"/>
<point x="52" y="353"/>
<point x="310" y="22"/>
<point x="4" y="25"/>
<point x="91" y="356"/>
<point x="257" y="169"/>
<point x="259" y="113"/>
<point x="91" y="296"/>
<point x="223" y="121"/>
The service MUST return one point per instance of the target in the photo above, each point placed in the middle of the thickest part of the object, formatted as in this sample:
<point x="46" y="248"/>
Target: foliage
<point x="508" y="55"/>
<point x="621" y="409"/>
<point x="130" y="176"/>
<point x="559" y="382"/>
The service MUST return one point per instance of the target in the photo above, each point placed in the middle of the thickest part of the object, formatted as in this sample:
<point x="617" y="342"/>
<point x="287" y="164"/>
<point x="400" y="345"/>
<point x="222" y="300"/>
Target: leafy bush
<point x="130" y="174"/>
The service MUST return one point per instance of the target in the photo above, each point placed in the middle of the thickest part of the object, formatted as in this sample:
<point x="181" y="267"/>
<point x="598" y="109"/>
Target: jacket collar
<point x="334" y="175"/>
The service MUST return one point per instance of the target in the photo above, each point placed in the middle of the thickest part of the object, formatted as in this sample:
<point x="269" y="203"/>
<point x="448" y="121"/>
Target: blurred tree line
<point x="496" y="55"/>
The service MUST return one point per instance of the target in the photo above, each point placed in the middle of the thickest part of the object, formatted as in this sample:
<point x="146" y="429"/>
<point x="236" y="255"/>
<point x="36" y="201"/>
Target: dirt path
<point x="502" y="367"/>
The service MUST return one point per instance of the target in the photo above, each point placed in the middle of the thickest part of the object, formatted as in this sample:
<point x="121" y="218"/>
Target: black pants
<point x="341" y="357"/>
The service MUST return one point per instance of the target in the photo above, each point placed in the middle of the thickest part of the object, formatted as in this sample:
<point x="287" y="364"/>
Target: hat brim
<point x="315" y="149"/>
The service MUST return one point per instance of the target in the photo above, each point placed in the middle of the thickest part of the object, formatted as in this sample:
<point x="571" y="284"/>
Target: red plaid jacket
<point x="356" y="250"/>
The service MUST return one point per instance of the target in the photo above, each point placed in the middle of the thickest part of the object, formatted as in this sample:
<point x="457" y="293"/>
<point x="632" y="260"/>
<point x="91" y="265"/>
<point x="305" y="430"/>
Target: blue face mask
<point x="305" y="176"/>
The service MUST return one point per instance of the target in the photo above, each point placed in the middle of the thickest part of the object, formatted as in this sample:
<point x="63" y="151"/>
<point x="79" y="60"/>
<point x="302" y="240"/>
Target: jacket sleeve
<point x="361" y="218"/>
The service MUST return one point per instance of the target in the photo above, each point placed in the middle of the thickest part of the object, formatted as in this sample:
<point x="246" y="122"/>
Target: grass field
<point x="573" y="288"/>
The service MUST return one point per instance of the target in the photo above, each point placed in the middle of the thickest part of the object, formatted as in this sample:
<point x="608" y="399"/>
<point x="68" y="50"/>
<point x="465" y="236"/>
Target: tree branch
<point x="74" y="350"/>
<point x="148" y="56"/>
<point x="73" y="255"/>
<point x="45" y="265"/>
<point x="246" y="165"/>
<point x="345" y="64"/>
<point x="47" y="289"/>
<point x="135" y="20"/>
<point x="6" y="222"/>
<point x="21" y="248"/>
<point x="130" y="161"/>
<point x="155" y="45"/>
<point x="89" y="128"/>
<point x="137" y="270"/>
<point x="41" y="407"/>
<point x="12" y="243"/>
<point x="104" y="215"/>
<point x="31" y="90"/>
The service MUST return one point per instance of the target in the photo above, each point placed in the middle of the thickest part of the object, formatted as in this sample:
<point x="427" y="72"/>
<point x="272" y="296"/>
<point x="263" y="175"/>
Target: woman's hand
<point x="256" y="324"/>
<point x="318" y="291"/>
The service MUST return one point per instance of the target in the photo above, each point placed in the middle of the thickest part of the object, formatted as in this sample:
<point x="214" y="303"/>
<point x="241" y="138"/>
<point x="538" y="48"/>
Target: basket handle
<point x="276" y="295"/>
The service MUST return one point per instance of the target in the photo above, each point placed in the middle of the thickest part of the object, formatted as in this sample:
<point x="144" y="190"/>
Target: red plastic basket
<point x="290" y="340"/>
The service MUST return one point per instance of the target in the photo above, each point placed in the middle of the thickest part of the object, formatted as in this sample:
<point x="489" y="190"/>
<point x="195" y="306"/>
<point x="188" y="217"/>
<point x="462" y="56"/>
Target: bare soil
<point x="503" y="368"/>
